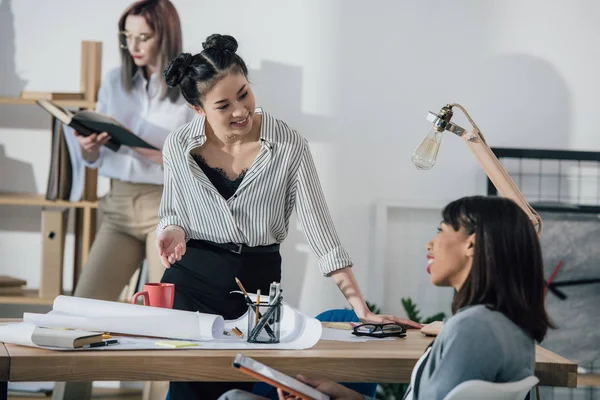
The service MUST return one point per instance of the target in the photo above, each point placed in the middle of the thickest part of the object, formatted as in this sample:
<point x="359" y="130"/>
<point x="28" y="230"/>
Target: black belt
<point x="239" y="248"/>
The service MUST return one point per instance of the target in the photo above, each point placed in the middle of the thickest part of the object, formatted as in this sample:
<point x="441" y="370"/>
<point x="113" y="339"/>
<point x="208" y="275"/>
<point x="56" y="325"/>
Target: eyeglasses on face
<point x="380" y="330"/>
<point x="126" y="39"/>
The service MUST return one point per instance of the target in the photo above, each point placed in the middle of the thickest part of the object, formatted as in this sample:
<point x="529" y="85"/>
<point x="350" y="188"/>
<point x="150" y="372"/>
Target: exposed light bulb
<point x="425" y="155"/>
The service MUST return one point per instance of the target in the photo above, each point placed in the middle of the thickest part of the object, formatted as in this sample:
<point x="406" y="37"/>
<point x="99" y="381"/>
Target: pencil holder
<point x="263" y="323"/>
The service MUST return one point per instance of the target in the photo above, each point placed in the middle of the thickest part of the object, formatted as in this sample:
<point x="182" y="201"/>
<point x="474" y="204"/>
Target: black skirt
<point x="204" y="279"/>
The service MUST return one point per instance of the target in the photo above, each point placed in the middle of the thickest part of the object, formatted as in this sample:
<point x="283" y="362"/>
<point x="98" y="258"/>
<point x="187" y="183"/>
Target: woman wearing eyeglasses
<point x="488" y="251"/>
<point x="137" y="96"/>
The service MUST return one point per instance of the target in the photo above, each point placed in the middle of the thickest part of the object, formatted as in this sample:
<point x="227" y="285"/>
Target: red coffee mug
<point x="157" y="295"/>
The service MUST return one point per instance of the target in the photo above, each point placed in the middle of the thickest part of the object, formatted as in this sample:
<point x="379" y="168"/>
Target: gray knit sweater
<point x="475" y="343"/>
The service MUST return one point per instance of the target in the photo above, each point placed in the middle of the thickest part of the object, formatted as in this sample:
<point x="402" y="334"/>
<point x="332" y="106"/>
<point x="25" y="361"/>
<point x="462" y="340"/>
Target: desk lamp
<point x="425" y="155"/>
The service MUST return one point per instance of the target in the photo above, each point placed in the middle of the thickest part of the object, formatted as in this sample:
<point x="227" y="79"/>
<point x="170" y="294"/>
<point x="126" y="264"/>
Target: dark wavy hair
<point x="508" y="272"/>
<point x="161" y="16"/>
<point x="197" y="74"/>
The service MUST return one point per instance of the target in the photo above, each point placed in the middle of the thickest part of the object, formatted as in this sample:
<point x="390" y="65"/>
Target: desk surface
<point x="373" y="361"/>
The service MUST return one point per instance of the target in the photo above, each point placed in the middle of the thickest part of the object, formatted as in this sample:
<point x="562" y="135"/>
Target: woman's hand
<point x="334" y="390"/>
<point x="345" y="280"/>
<point x="90" y="145"/>
<point x="151" y="154"/>
<point x="171" y="246"/>
<point x="371" y="318"/>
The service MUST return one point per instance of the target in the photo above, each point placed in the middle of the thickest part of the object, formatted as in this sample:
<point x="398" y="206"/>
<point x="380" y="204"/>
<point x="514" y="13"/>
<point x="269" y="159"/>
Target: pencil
<point x="237" y="332"/>
<point x="243" y="290"/>
<point x="257" y="305"/>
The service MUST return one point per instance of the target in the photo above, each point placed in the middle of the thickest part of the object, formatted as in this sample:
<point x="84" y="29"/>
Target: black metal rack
<point x="554" y="180"/>
<point x="560" y="181"/>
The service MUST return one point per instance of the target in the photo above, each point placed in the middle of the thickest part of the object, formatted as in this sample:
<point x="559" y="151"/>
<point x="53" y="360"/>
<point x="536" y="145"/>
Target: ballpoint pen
<point x="102" y="343"/>
<point x="257" y="306"/>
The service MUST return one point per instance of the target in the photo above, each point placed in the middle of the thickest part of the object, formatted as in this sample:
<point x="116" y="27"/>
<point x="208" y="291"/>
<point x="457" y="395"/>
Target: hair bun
<point x="220" y="42"/>
<point x="177" y="69"/>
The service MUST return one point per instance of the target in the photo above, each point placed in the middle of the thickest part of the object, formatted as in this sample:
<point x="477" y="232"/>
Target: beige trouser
<point x="126" y="237"/>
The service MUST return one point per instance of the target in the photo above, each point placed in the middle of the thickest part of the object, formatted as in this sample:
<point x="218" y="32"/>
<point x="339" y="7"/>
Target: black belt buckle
<point x="238" y="250"/>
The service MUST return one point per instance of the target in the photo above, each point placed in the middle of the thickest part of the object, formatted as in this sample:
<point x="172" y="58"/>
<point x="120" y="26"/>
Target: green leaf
<point x="411" y="310"/>
<point x="437" y="317"/>
<point x="373" y="308"/>
<point x="391" y="391"/>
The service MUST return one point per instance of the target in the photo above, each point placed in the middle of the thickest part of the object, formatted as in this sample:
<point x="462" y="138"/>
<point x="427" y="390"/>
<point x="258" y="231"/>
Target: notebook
<point x="66" y="338"/>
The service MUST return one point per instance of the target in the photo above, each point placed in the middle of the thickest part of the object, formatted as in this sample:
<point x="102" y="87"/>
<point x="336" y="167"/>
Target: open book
<point x="90" y="122"/>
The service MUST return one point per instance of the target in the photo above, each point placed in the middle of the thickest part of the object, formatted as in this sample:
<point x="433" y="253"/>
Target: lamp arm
<point x="495" y="171"/>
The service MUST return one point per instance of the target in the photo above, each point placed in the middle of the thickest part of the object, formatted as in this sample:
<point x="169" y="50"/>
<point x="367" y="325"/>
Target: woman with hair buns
<point x="232" y="179"/>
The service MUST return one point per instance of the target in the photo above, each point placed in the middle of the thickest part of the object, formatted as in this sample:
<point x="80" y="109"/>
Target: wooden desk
<point x="373" y="361"/>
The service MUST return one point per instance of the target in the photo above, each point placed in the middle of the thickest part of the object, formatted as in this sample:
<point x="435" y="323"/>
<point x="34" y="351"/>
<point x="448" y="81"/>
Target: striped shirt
<point x="282" y="176"/>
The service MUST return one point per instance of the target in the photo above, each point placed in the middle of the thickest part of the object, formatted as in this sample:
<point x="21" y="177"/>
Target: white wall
<point x="356" y="78"/>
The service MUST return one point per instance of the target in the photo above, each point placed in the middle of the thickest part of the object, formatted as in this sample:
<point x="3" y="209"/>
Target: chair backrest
<point x="338" y="315"/>
<point x="476" y="389"/>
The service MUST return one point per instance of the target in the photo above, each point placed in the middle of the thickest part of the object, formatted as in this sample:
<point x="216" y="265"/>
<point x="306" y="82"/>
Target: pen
<point x="272" y="294"/>
<point x="277" y="292"/>
<point x="272" y="291"/>
<point x="257" y="306"/>
<point x="277" y="298"/>
<point x="103" y="343"/>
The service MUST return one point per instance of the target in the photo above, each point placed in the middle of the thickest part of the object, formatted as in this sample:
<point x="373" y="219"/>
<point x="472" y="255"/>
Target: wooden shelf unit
<point x="30" y="199"/>
<point x="85" y="209"/>
<point x="63" y="103"/>
<point x="29" y="297"/>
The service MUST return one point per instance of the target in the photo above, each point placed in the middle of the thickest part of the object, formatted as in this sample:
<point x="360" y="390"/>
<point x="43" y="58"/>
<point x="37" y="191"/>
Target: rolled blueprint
<point x="110" y="316"/>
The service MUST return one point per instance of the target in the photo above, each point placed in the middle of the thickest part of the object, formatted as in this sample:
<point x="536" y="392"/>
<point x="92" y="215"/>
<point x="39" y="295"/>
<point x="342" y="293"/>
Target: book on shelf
<point x="66" y="338"/>
<point x="51" y="96"/>
<point x="10" y="281"/>
<point x="11" y="286"/>
<point x="12" y="291"/>
<point x="60" y="175"/>
<point x="89" y="122"/>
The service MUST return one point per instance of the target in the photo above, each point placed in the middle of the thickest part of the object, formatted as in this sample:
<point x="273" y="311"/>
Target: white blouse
<point x="144" y="113"/>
